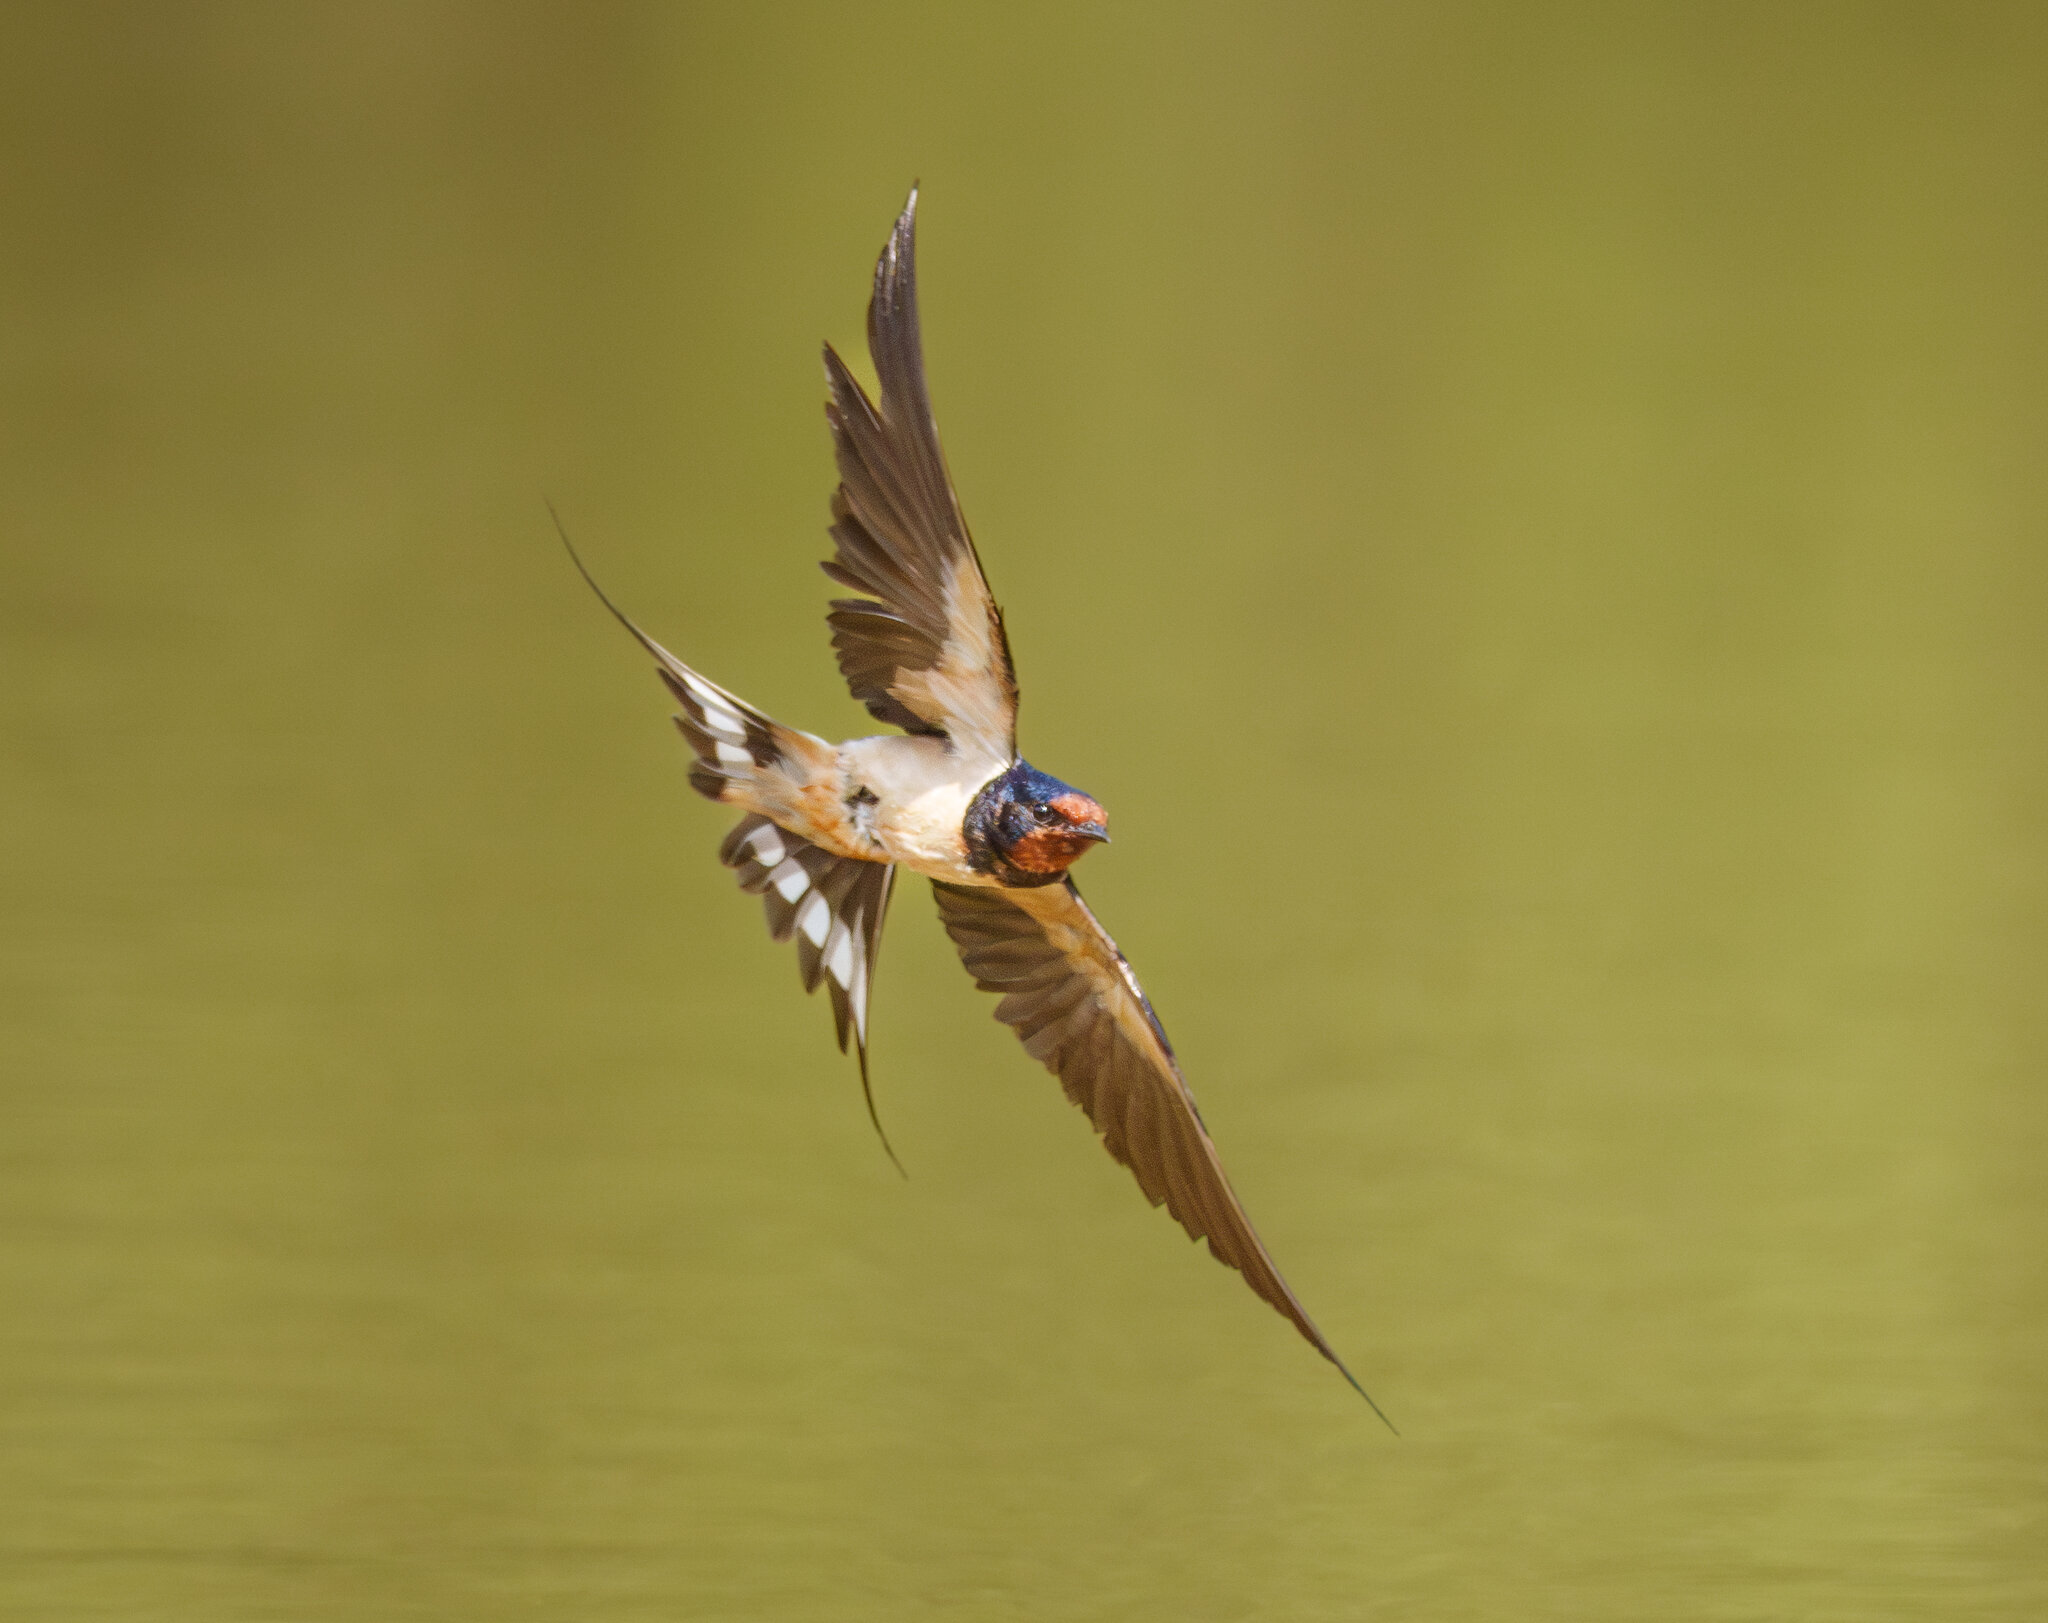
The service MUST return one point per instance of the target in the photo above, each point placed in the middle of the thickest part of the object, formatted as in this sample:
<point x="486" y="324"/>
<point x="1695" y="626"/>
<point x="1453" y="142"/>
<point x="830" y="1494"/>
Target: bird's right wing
<point x="1071" y="997"/>
<point x="925" y="649"/>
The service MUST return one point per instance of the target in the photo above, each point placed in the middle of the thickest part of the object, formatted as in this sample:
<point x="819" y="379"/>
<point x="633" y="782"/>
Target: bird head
<point x="1034" y="826"/>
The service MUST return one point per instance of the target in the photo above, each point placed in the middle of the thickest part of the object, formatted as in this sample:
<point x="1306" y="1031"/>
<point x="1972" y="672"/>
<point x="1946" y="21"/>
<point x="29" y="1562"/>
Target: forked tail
<point x="832" y="905"/>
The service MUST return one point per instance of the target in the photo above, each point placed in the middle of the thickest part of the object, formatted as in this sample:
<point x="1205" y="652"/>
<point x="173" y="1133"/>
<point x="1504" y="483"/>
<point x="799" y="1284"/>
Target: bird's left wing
<point x="1073" y="1000"/>
<point x="924" y="649"/>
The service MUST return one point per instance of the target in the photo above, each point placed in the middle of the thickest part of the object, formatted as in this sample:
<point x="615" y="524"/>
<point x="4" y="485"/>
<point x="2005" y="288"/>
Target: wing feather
<point x="1072" y="999"/>
<point x="924" y="649"/>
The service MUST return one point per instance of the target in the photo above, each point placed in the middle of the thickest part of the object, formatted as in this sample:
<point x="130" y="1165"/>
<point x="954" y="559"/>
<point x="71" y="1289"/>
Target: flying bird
<point x="825" y="828"/>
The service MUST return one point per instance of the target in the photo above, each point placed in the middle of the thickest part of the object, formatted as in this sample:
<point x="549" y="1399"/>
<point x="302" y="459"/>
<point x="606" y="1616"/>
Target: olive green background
<point x="1533" y="519"/>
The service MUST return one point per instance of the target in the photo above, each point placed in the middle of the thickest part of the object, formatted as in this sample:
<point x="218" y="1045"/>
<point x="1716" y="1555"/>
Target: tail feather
<point x="833" y="902"/>
<point x="737" y="748"/>
<point x="744" y="758"/>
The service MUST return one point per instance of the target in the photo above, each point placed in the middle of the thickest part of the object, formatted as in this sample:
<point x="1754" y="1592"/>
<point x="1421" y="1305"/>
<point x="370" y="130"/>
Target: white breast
<point x="922" y="791"/>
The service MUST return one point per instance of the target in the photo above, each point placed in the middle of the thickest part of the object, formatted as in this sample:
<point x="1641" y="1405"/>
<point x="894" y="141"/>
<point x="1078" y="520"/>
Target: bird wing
<point x="1080" y="1011"/>
<point x="924" y="649"/>
<point x="834" y="906"/>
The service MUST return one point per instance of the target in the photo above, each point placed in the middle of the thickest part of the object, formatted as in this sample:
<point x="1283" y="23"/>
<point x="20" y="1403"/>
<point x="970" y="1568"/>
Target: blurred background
<point x="1533" y="520"/>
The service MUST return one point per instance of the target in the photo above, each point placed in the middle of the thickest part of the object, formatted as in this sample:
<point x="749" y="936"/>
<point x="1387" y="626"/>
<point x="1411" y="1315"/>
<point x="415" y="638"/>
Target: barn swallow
<point x="825" y="828"/>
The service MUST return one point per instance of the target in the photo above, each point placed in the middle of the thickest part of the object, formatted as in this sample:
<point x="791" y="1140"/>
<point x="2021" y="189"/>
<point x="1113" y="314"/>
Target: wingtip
<point x="1361" y="1391"/>
<point x="892" y="307"/>
<point x="898" y="261"/>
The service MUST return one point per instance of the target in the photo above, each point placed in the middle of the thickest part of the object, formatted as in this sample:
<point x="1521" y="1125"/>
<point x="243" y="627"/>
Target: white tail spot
<point x="767" y="844"/>
<point x="724" y="721"/>
<point x="790" y="879"/>
<point x="839" y="956"/>
<point x="732" y="754"/>
<point x="815" y="919"/>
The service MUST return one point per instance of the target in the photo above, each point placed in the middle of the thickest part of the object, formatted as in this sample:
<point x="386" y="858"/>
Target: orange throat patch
<point x="1054" y="850"/>
<point x="1048" y="850"/>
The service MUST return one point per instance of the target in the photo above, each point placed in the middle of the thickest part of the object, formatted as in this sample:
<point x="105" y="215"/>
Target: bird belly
<point x="921" y="794"/>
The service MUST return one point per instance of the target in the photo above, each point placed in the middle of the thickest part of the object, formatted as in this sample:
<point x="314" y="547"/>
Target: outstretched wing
<point x="924" y="649"/>
<point x="834" y="906"/>
<point x="1078" y="1008"/>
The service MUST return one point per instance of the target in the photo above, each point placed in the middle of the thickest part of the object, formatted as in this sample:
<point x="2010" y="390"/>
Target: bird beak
<point x="1091" y="831"/>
